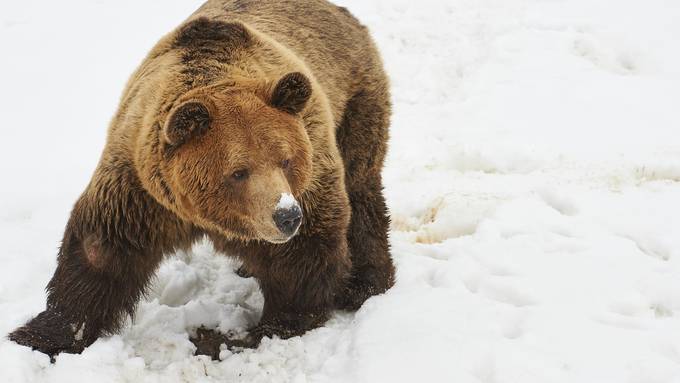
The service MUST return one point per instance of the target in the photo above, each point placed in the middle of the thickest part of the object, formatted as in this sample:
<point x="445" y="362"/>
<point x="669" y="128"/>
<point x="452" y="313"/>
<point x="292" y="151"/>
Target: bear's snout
<point x="288" y="219"/>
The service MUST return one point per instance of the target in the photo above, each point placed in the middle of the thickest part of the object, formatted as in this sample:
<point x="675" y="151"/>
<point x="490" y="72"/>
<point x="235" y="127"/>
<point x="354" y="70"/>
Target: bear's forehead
<point x="260" y="140"/>
<point x="254" y="118"/>
<point x="256" y="129"/>
<point x="245" y="130"/>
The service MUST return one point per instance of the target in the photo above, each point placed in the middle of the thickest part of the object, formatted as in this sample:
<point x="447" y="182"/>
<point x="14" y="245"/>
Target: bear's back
<point x="327" y="38"/>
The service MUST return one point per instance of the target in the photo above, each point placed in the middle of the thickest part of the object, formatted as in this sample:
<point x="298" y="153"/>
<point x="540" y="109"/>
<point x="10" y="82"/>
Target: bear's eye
<point x="240" y="175"/>
<point x="285" y="164"/>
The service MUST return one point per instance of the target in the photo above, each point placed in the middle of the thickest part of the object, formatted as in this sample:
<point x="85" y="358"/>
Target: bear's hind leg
<point x="362" y="140"/>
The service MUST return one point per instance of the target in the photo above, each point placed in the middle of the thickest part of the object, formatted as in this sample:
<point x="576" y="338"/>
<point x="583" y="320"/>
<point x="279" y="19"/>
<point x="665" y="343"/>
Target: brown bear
<point x="261" y="125"/>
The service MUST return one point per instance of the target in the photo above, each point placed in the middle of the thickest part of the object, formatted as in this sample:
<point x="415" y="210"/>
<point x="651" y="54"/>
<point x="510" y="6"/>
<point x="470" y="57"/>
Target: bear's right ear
<point x="187" y="120"/>
<point x="291" y="93"/>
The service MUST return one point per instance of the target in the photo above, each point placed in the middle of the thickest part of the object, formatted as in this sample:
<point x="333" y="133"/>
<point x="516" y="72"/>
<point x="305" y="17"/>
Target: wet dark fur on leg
<point x="103" y="266"/>
<point x="362" y="138"/>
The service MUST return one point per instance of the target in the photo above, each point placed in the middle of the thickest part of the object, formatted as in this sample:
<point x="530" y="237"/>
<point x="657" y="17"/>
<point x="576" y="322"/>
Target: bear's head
<point x="237" y="157"/>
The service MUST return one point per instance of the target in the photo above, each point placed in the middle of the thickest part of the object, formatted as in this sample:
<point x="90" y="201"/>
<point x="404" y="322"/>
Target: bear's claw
<point x="48" y="334"/>
<point x="243" y="273"/>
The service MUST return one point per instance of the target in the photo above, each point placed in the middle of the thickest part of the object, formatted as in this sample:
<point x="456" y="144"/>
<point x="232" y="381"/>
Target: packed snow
<point x="533" y="179"/>
<point x="286" y="201"/>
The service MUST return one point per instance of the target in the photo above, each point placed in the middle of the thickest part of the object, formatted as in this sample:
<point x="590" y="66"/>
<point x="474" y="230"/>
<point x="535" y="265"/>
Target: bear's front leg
<point x="106" y="259"/>
<point x="299" y="282"/>
<point x="299" y="279"/>
<point x="84" y="302"/>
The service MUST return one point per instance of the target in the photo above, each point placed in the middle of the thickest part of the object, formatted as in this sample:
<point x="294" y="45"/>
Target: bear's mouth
<point x="276" y="240"/>
<point x="249" y="231"/>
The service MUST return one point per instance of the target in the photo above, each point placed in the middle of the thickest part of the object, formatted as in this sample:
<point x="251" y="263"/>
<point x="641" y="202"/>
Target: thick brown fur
<point x="244" y="101"/>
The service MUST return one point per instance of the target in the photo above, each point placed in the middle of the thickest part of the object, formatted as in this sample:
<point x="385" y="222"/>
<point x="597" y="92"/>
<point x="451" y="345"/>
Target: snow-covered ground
<point x="533" y="179"/>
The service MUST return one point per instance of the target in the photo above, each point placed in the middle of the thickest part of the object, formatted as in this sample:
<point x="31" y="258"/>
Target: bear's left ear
<point x="185" y="121"/>
<point x="291" y="93"/>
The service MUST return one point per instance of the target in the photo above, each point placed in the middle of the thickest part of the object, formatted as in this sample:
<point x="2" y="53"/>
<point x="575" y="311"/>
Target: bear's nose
<point x="288" y="219"/>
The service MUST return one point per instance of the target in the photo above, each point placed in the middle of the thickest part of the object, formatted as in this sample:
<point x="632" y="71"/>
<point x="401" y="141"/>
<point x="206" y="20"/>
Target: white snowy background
<point x="533" y="179"/>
